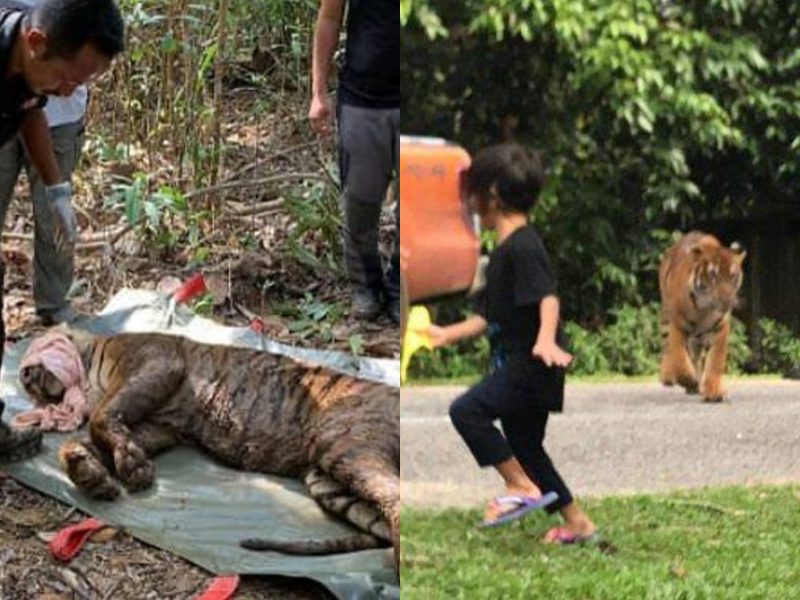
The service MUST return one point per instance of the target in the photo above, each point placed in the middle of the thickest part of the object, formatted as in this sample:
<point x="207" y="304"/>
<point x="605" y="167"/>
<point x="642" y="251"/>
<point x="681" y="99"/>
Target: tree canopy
<point x="653" y="115"/>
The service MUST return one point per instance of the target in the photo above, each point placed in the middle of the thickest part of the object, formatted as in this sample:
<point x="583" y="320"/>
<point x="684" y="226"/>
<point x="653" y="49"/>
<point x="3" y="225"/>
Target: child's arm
<point x="545" y="346"/>
<point x="468" y="328"/>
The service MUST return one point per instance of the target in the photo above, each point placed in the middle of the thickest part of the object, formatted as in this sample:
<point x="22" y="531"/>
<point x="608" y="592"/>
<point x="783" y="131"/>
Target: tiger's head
<point x="48" y="363"/>
<point x="41" y="384"/>
<point x="716" y="276"/>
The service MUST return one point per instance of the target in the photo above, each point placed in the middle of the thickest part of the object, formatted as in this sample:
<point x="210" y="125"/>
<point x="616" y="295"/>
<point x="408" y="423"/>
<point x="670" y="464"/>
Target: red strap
<point x="191" y="288"/>
<point x="69" y="541"/>
<point x="257" y="324"/>
<point x="222" y="588"/>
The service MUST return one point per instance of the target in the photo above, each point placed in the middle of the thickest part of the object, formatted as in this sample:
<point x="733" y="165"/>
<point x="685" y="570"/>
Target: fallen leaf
<point x="46" y="536"/>
<point x="168" y="285"/>
<point x="104" y="535"/>
<point x="217" y="286"/>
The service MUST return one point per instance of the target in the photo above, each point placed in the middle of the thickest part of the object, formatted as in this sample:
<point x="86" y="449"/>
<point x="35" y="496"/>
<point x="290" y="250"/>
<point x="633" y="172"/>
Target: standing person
<point x="53" y="270"/>
<point x="368" y="115"/>
<point x="50" y="50"/>
<point x="520" y="311"/>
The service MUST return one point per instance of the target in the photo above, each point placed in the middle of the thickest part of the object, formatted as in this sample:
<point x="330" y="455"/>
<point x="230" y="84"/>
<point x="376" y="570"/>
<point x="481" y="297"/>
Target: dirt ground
<point x="119" y="568"/>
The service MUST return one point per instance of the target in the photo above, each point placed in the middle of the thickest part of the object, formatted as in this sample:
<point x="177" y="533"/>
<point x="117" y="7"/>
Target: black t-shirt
<point x="371" y="74"/>
<point x="517" y="278"/>
<point x="16" y="98"/>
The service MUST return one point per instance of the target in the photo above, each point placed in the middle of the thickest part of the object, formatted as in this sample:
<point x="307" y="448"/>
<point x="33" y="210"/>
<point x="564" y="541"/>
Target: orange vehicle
<point x="437" y="234"/>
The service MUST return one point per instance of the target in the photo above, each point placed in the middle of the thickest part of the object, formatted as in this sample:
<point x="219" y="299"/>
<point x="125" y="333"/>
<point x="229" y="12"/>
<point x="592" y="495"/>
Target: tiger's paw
<point x="682" y="375"/>
<point x="714" y="399"/>
<point x="133" y="467"/>
<point x="87" y="472"/>
<point x="690" y="385"/>
<point x="714" y="394"/>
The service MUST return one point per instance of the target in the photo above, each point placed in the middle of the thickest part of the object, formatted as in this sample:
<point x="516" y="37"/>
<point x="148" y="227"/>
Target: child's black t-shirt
<point x="518" y="277"/>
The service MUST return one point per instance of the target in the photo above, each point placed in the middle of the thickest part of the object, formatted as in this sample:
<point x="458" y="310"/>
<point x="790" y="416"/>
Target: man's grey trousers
<point x="369" y="158"/>
<point x="53" y="271"/>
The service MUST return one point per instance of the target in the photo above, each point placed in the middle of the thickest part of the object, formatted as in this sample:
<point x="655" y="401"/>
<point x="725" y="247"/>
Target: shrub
<point x="632" y="344"/>
<point x="466" y="359"/>
<point x="778" y="349"/>
<point x="589" y="357"/>
<point x="739" y="352"/>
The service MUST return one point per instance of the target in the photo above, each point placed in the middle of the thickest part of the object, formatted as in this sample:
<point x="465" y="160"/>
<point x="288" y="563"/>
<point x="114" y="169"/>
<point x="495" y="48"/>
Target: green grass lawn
<point x="716" y="544"/>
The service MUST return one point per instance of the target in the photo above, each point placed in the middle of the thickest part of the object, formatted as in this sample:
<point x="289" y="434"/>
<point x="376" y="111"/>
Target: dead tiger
<point x="253" y="410"/>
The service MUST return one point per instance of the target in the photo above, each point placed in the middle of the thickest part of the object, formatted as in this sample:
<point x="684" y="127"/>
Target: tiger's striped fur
<point x="699" y="281"/>
<point x="253" y="410"/>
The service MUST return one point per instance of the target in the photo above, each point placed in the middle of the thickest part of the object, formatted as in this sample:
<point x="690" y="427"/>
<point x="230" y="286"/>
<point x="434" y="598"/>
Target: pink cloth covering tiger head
<point x="53" y="375"/>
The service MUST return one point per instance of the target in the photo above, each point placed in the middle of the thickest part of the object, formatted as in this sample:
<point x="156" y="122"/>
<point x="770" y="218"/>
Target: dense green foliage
<point x="654" y="116"/>
<point x="778" y="350"/>
<point x="713" y="543"/>
<point x="630" y="344"/>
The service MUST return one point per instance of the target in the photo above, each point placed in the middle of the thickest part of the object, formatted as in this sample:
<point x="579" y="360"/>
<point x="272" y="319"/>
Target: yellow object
<point x="419" y="319"/>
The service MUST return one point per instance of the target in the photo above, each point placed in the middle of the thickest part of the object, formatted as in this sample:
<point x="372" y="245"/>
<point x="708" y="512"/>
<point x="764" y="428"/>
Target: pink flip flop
<point x="564" y="537"/>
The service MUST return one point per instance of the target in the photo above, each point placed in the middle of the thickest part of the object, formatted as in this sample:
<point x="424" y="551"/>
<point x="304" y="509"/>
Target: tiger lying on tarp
<point x="253" y="410"/>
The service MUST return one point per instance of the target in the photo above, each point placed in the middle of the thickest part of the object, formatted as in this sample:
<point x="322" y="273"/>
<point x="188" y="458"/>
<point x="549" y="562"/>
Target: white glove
<point x="59" y="201"/>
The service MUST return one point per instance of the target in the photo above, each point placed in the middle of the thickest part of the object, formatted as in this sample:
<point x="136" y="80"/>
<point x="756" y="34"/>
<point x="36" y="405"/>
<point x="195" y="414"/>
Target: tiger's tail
<point x="338" y="545"/>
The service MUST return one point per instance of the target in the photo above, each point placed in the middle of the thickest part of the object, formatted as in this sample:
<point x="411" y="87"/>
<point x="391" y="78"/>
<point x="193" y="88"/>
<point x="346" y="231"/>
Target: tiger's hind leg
<point x="375" y="480"/>
<point x="335" y="498"/>
<point x="338" y="499"/>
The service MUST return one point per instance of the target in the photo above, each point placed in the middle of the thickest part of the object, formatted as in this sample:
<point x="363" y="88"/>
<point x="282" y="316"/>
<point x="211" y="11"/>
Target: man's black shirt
<point x="16" y="98"/>
<point x="371" y="74"/>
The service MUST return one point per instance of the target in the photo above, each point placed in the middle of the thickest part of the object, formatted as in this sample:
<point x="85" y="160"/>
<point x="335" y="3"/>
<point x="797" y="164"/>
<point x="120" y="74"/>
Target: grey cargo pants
<point x="369" y="159"/>
<point x="53" y="271"/>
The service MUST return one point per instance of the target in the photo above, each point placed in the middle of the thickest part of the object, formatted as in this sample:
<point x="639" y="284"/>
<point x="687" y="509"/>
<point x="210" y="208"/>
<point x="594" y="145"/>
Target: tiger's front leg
<point x="92" y="471"/>
<point x="711" y="387"/>
<point x="128" y="406"/>
<point x="676" y="364"/>
<point x="89" y="469"/>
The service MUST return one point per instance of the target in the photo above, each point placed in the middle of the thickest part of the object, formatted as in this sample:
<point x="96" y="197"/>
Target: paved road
<point x="616" y="438"/>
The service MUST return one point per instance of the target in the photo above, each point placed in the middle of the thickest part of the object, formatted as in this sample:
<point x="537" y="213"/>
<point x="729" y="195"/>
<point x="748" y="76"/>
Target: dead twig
<point x="254" y="182"/>
<point x="85" y="214"/>
<point x="110" y="593"/>
<point x="705" y="506"/>
<point x="10" y="236"/>
<point x="268" y="207"/>
<point x="265" y="159"/>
